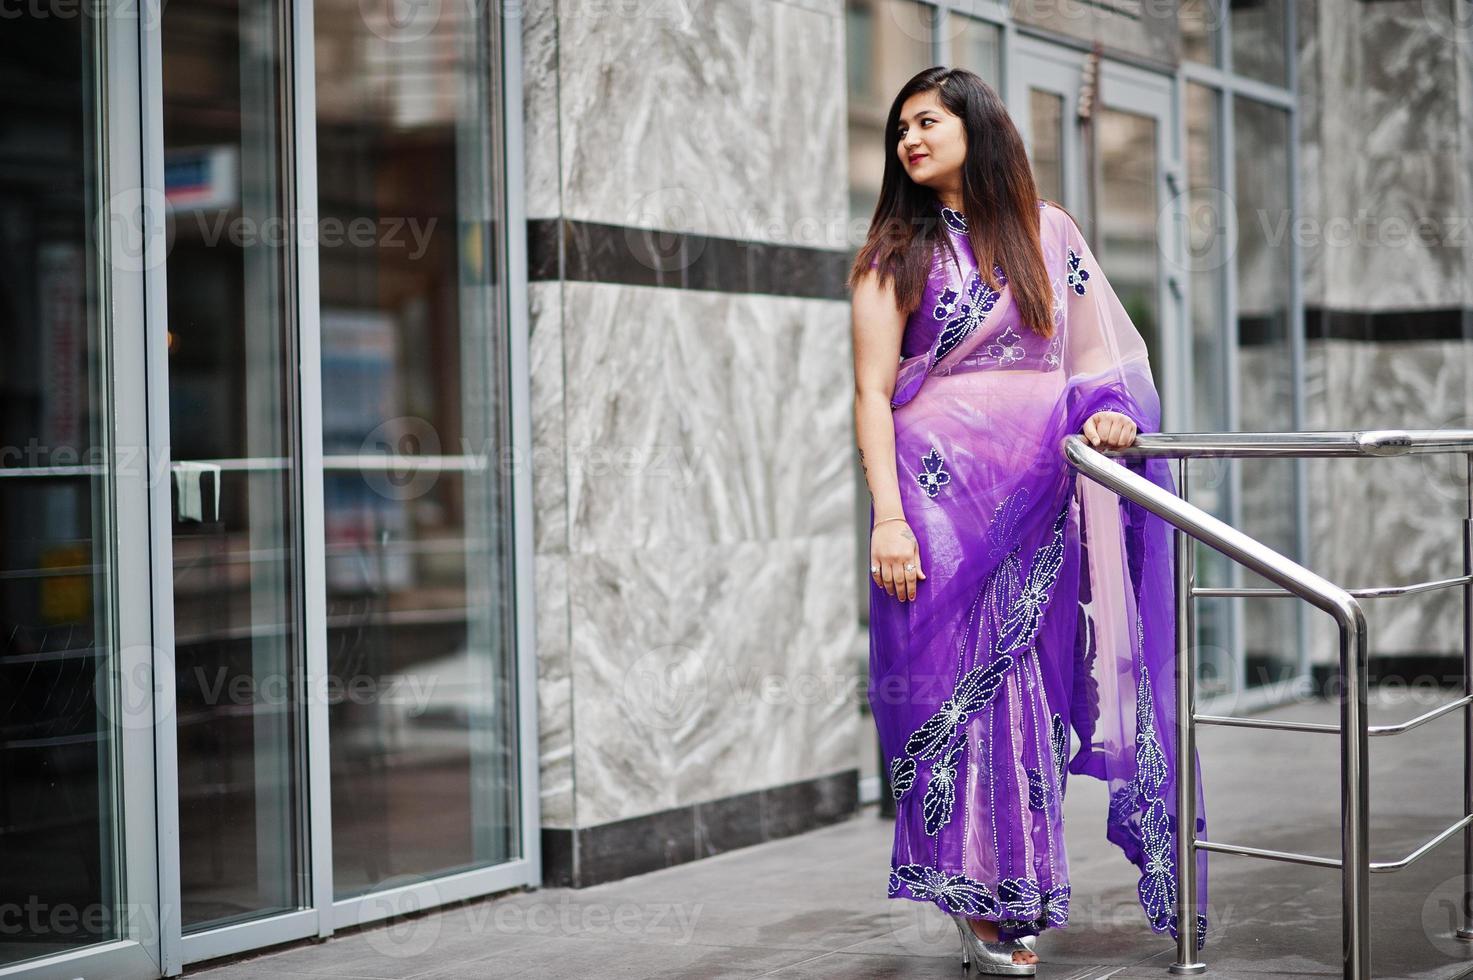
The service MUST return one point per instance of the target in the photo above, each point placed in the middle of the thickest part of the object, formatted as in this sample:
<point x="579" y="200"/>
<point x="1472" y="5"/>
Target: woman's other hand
<point x="895" y="559"/>
<point x="1113" y="430"/>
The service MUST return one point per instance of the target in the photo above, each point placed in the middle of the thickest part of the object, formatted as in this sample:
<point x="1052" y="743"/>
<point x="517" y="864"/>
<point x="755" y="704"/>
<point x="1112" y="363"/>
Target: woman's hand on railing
<point x="1113" y="430"/>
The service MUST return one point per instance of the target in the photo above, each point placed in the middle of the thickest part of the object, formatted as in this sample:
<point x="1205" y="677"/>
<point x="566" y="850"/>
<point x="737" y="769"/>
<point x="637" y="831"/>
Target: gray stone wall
<point x="694" y="503"/>
<point x="1386" y="141"/>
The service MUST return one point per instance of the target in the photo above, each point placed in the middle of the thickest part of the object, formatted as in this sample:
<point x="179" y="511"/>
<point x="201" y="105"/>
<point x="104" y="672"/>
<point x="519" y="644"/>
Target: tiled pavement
<point x="814" y="906"/>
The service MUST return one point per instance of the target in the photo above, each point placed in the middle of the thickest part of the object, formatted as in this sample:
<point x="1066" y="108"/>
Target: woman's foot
<point x="987" y="931"/>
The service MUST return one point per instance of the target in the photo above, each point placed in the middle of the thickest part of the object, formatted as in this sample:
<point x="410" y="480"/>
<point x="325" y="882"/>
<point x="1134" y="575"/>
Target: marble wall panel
<point x="721" y="118"/>
<point x="1390" y="521"/>
<point x="697" y="417"/>
<point x="706" y="671"/>
<point x="691" y="450"/>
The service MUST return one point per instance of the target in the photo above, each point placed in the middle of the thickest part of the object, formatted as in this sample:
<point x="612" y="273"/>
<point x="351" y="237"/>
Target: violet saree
<point x="1047" y="610"/>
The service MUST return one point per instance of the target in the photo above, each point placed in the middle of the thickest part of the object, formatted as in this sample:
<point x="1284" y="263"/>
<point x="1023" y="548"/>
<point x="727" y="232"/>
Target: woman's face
<point x="932" y="143"/>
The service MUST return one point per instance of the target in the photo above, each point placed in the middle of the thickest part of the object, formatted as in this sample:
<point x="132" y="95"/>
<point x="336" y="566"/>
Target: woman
<point x="1011" y="602"/>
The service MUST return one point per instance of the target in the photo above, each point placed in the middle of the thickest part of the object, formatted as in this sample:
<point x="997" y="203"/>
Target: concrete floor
<point x="814" y="906"/>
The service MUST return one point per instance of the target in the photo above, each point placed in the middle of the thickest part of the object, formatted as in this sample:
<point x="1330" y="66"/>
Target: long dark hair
<point x="999" y="199"/>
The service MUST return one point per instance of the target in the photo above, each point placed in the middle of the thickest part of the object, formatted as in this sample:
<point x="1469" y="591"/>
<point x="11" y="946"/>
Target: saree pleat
<point x="1046" y="619"/>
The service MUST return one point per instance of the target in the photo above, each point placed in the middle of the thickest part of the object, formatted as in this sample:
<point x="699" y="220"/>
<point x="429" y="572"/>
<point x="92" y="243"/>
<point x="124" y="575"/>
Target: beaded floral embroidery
<point x="1018" y="602"/>
<point x="1041" y="792"/>
<point x="902" y="775"/>
<point x="980" y="300"/>
<point x="1040" y="796"/>
<point x="940" y="796"/>
<point x="1158" y="882"/>
<point x="1051" y="356"/>
<point x="1019" y="904"/>
<point x="933" y="475"/>
<point x="1003" y="531"/>
<point x="972" y="693"/>
<point x="1059" y="738"/>
<point x="956" y="893"/>
<point x="1077" y="275"/>
<point x="1007" y="350"/>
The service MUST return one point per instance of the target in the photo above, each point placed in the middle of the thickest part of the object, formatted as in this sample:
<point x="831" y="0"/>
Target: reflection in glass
<point x="58" y="759"/>
<point x="1198" y="21"/>
<point x="1207" y="252"/>
<point x="978" y="47"/>
<point x="1260" y="40"/>
<point x="1127" y="196"/>
<point x="236" y="554"/>
<point x="1046" y="120"/>
<point x="1266" y="359"/>
<point x="422" y="717"/>
<point x="888" y="42"/>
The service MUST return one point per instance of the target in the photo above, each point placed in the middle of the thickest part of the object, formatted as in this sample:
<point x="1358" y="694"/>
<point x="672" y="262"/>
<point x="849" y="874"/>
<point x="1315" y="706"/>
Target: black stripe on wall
<point x="1384" y="326"/>
<point x="1448" y="323"/>
<point x="587" y="251"/>
<point x="592" y="855"/>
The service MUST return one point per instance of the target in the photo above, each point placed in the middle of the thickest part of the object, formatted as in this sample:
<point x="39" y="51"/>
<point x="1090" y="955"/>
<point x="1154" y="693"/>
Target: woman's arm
<point x="878" y="324"/>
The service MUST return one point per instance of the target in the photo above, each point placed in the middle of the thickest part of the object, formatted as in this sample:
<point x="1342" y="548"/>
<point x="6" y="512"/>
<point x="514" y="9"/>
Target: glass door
<point x="1118" y="181"/>
<point x="1121" y="182"/>
<point x="77" y="654"/>
<point x="348" y="720"/>
<point x="417" y="508"/>
<point x="256" y="517"/>
<point x="232" y="437"/>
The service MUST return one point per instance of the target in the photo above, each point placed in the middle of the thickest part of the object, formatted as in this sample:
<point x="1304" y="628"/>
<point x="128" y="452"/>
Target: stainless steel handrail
<point x="1295" y="581"/>
<point x="1326" y="862"/>
<point x="1310" y="726"/>
<point x="1296" y="445"/>
<point x="1371" y="593"/>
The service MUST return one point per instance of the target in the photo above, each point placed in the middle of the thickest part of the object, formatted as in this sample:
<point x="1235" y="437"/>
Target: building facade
<point x="427" y="426"/>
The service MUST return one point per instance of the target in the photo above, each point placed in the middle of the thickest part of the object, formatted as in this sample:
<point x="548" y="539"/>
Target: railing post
<point x="1186" y="749"/>
<point x="1465" y="926"/>
<point x="1355" y="851"/>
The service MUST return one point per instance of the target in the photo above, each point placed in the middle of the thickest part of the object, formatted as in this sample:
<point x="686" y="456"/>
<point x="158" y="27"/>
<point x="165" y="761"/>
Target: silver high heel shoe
<point x="986" y="957"/>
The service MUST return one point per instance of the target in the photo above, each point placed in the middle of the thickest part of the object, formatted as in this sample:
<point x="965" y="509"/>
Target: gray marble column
<point x="1386" y="135"/>
<point x="696" y="615"/>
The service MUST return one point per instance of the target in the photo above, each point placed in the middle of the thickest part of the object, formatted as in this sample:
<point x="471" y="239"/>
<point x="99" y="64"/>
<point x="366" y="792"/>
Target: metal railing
<point x="1344" y="607"/>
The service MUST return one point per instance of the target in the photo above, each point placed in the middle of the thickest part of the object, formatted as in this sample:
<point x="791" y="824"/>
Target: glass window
<point x="59" y="790"/>
<point x="1046" y="120"/>
<point x="895" y="36"/>
<point x="1199" y="22"/>
<point x="1208" y="248"/>
<point x="1129" y="178"/>
<point x="232" y="427"/>
<point x="1265" y="358"/>
<point x="414" y="396"/>
<point x="1208" y="251"/>
<point x="1260" y="41"/>
<point x="977" y="47"/>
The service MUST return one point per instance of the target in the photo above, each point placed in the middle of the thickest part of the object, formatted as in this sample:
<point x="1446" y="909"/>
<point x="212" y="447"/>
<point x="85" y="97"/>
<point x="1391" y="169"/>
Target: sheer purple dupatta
<point x="1124" y="700"/>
